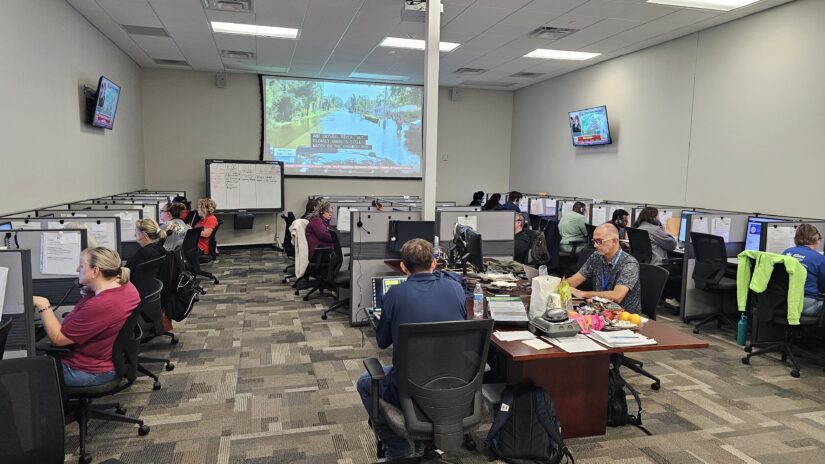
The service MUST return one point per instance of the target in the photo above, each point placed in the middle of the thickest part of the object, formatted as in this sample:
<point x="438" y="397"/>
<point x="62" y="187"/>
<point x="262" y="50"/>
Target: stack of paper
<point x="621" y="338"/>
<point x="514" y="335"/>
<point x="506" y="308"/>
<point x="576" y="344"/>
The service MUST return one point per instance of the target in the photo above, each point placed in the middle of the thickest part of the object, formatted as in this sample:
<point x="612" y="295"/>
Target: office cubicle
<point x="15" y="270"/>
<point x="458" y="208"/>
<point x="128" y="219"/>
<point x="150" y="210"/>
<point x="105" y="230"/>
<point x="566" y="205"/>
<point x="25" y="214"/>
<point x="599" y="213"/>
<point x="776" y="237"/>
<point x="496" y="229"/>
<point x="369" y="250"/>
<point x="54" y="257"/>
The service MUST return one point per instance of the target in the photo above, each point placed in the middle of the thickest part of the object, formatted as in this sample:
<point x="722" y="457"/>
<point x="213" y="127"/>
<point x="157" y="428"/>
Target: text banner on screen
<point x="342" y="129"/>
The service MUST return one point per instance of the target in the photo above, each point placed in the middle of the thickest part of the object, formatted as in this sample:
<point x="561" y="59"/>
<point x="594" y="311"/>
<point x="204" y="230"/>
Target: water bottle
<point x="436" y="251"/>
<point x="742" y="330"/>
<point x="542" y="270"/>
<point x="478" y="302"/>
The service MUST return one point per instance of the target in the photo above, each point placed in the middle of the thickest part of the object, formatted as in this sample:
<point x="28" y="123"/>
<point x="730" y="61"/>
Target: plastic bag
<point x="543" y="295"/>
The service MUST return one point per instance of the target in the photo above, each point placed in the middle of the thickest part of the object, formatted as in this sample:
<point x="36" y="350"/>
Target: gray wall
<point x="712" y="119"/>
<point x="49" y="154"/>
<point x="186" y="119"/>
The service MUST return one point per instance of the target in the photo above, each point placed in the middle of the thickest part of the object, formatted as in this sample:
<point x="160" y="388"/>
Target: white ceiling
<point x="340" y="37"/>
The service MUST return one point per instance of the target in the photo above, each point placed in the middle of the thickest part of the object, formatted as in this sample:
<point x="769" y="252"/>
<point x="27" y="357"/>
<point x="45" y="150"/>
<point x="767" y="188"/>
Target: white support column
<point x="431" y="107"/>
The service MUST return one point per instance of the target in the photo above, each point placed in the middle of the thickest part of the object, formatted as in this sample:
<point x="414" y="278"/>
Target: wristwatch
<point x="40" y="310"/>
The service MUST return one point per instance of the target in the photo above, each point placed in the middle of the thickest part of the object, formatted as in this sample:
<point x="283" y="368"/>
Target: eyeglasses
<point x="600" y="242"/>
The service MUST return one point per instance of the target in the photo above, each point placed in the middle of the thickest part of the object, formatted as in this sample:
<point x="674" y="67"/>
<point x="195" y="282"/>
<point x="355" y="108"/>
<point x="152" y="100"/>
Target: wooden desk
<point x="577" y="382"/>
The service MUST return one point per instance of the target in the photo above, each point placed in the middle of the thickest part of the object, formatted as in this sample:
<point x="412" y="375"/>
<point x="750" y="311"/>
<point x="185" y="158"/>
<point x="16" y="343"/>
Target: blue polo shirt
<point x="511" y="206"/>
<point x="815" y="265"/>
<point x="424" y="297"/>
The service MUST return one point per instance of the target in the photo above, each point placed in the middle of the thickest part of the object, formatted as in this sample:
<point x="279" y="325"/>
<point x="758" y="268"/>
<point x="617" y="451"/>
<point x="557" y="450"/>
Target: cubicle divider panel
<point x="776" y="237"/>
<point x="54" y="253"/>
<point x="566" y="205"/>
<point x="733" y="228"/>
<point x="335" y="205"/>
<point x="603" y="212"/>
<point x="105" y="230"/>
<point x="23" y="214"/>
<point x="445" y="203"/>
<point x="458" y="208"/>
<point x="496" y="229"/>
<point x="151" y="208"/>
<point x="368" y="250"/>
<point x="128" y="218"/>
<point x="17" y="304"/>
<point x="665" y="212"/>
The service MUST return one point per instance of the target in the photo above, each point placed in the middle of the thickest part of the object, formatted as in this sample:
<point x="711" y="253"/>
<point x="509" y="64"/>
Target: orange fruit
<point x="635" y="319"/>
<point x="624" y="316"/>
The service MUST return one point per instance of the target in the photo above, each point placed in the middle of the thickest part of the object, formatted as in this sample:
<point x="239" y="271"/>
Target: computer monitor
<point x="683" y="224"/>
<point x="753" y="235"/>
<point x="5" y="226"/>
<point x="473" y="241"/>
<point x="403" y="231"/>
<point x="380" y="286"/>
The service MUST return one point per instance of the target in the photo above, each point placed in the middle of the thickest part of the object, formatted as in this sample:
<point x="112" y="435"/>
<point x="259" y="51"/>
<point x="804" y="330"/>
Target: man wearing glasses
<point x="614" y="273"/>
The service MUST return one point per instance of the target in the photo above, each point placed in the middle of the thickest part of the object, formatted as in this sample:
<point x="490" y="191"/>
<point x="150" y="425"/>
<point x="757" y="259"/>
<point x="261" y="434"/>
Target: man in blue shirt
<point x="512" y="202"/>
<point x="426" y="296"/>
<point x="808" y="241"/>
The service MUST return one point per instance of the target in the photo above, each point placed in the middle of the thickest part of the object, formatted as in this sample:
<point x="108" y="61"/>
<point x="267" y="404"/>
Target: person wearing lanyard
<point x="614" y="273"/>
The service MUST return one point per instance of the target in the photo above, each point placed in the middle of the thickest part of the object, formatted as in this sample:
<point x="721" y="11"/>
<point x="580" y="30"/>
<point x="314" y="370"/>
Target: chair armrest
<point x="376" y="373"/>
<point x="46" y="346"/>
<point x="374" y="368"/>
<point x="575" y="246"/>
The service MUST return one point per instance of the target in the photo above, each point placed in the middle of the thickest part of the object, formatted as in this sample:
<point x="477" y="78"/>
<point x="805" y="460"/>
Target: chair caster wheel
<point x="296" y="292"/>
<point x="306" y="298"/>
<point x="175" y="340"/>
<point x="85" y="459"/>
<point x="143" y="430"/>
<point x="746" y="360"/>
<point x="170" y="367"/>
<point x="748" y="349"/>
<point x="696" y="331"/>
<point x="323" y="317"/>
<point x="655" y="386"/>
<point x="121" y="411"/>
<point x="795" y="374"/>
<point x="217" y="282"/>
<point x="469" y="443"/>
<point x="156" y="385"/>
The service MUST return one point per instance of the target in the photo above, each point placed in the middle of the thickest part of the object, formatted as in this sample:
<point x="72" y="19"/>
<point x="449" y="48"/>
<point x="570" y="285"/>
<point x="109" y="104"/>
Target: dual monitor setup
<point x="465" y="246"/>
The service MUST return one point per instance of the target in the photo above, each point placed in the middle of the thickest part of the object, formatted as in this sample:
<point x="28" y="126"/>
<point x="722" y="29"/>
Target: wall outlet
<point x="266" y="227"/>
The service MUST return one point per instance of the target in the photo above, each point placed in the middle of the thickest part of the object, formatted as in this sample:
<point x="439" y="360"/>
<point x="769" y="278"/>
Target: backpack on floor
<point x="617" y="412"/>
<point x="525" y="429"/>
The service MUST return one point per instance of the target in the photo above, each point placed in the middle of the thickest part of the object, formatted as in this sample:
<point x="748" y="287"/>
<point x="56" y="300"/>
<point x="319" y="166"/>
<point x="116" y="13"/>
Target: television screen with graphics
<point x="589" y="127"/>
<point x="342" y="129"/>
<point x="108" y="94"/>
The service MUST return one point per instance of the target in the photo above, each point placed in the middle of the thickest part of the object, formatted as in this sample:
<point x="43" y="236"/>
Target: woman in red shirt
<point x="206" y="210"/>
<point x="94" y="323"/>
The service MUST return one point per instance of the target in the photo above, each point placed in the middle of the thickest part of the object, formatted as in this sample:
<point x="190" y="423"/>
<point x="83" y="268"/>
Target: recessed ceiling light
<point x="549" y="54"/>
<point x="723" y="5"/>
<point x="253" y="29"/>
<point x="416" y="44"/>
<point x="378" y="77"/>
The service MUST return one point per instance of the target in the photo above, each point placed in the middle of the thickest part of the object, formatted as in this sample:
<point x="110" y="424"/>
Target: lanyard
<point x="611" y="275"/>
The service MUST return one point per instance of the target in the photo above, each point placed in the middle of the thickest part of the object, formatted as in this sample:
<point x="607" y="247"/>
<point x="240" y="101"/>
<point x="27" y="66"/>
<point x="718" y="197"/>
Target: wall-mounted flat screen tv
<point x="589" y="127"/>
<point x="108" y="94"/>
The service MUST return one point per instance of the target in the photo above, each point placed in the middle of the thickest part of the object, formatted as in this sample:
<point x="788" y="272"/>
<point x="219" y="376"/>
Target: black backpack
<point x="538" y="253"/>
<point x="525" y="429"/>
<point x="617" y="413"/>
<point x="180" y="288"/>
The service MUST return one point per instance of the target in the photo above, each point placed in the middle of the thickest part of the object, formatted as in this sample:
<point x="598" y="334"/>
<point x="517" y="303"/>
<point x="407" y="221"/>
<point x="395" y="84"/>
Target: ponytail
<point x="123" y="275"/>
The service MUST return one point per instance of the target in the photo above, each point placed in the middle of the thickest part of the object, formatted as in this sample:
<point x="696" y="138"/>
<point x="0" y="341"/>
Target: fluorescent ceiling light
<point x="723" y="5"/>
<point x="378" y="77"/>
<point x="416" y="44"/>
<point x="252" y="29"/>
<point x="549" y="54"/>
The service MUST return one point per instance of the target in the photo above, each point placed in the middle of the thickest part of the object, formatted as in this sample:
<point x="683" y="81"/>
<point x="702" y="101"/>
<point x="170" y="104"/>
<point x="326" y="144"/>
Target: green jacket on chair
<point x="762" y="271"/>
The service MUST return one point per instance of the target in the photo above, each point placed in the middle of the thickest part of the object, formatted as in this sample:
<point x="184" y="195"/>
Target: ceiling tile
<point x="158" y="47"/>
<point x="623" y="10"/>
<point x="559" y="7"/>
<point x="274" y="52"/>
<point x="281" y="13"/>
<point x="238" y="42"/>
<point x="232" y="17"/>
<point x="644" y="32"/>
<point x="599" y="31"/>
<point x="130" y="12"/>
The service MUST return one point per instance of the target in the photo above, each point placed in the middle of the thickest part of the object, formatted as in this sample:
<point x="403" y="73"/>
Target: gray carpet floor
<point x="260" y="378"/>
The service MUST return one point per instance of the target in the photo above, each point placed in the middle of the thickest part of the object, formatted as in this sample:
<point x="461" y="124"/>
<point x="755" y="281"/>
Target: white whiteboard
<point x="253" y="185"/>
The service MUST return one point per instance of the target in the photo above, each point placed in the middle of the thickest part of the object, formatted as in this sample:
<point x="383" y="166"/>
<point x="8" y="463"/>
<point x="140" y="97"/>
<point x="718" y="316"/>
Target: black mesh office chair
<point x="439" y="372"/>
<point x="590" y="229"/>
<point x="709" y="274"/>
<point x="769" y="311"/>
<point x="212" y="255"/>
<point x="5" y="328"/>
<point x="652" y="280"/>
<point x="289" y="248"/>
<point x="336" y="278"/>
<point x="189" y="250"/>
<point x="553" y="238"/>
<point x="151" y="326"/>
<point x="125" y="358"/>
<point x="32" y="425"/>
<point x="640" y="246"/>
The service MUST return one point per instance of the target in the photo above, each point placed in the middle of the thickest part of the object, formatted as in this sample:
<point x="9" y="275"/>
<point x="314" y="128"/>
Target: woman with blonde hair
<point x="94" y="323"/>
<point x="206" y="210"/>
<point x="150" y="237"/>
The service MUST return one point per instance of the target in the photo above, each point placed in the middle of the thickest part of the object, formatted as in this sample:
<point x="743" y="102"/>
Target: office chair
<point x="335" y="277"/>
<point x="289" y="248"/>
<point x="438" y="377"/>
<point x="640" y="246"/>
<point x="151" y="323"/>
<point x="5" y="328"/>
<point x="125" y="358"/>
<point x="709" y="274"/>
<point x="771" y="330"/>
<point x="213" y="254"/>
<point x="32" y="429"/>
<point x="652" y="280"/>
<point x="590" y="229"/>
<point x="189" y="250"/>
<point x="553" y="238"/>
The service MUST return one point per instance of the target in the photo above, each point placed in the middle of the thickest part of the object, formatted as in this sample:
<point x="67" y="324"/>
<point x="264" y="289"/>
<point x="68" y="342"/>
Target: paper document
<point x="621" y="338"/>
<point x="566" y="207"/>
<point x="779" y="238"/>
<point x="576" y="344"/>
<point x="4" y="275"/>
<point x="699" y="224"/>
<point x="128" y="223"/>
<point x="721" y="227"/>
<point x="104" y="234"/>
<point x="344" y="219"/>
<point x="59" y="253"/>
<point x="549" y="206"/>
<point x="55" y="225"/>
<point x="537" y="206"/>
<point x="469" y="221"/>
<point x="21" y="225"/>
<point x="514" y="336"/>
<point x="664" y="216"/>
<point x="522" y="204"/>
<point x="537" y="344"/>
<point x="599" y="215"/>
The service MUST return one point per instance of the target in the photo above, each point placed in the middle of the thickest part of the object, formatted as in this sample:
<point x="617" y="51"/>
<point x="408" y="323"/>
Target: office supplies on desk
<point x="514" y="336"/>
<point x="621" y="338"/>
<point x="576" y="344"/>
<point x="537" y="344"/>
<point x="506" y="309"/>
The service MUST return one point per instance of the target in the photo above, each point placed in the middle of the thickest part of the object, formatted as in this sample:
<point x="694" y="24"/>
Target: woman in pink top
<point x="318" y="235"/>
<point x="96" y="319"/>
